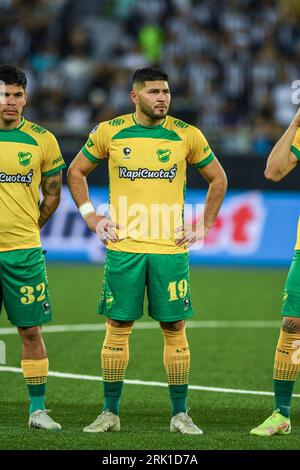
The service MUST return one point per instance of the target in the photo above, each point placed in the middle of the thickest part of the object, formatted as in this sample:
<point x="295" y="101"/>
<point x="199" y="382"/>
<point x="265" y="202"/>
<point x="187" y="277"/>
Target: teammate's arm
<point x="51" y="189"/>
<point x="281" y="160"/>
<point x="78" y="171"/>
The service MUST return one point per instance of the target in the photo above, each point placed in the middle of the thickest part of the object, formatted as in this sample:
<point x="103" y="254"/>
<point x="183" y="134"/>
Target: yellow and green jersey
<point x="28" y="152"/>
<point x="295" y="149"/>
<point x="147" y="175"/>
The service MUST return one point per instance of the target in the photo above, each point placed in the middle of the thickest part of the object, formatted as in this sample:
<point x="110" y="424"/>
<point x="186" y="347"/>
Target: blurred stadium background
<point x="231" y="66"/>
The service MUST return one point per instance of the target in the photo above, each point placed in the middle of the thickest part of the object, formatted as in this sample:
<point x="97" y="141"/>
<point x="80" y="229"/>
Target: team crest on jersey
<point x="24" y="158"/>
<point x="127" y="152"/>
<point x="163" y="155"/>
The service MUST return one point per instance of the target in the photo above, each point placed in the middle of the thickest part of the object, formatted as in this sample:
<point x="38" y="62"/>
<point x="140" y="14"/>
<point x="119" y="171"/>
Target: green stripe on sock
<point x="37" y="397"/>
<point x="112" y="396"/>
<point x="283" y="390"/>
<point x="178" y="395"/>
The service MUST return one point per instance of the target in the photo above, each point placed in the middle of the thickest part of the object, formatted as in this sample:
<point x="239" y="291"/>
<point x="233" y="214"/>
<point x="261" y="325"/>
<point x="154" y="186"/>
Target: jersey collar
<point x="15" y="128"/>
<point x="148" y="127"/>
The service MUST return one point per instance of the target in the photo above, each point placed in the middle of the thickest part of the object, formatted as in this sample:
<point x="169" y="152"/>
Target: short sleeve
<point x="52" y="160"/>
<point x="199" y="151"/>
<point x="96" y="147"/>
<point x="295" y="147"/>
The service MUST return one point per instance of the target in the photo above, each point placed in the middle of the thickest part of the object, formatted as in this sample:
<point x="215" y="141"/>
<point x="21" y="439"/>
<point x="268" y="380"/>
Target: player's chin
<point x="160" y="112"/>
<point x="10" y="117"/>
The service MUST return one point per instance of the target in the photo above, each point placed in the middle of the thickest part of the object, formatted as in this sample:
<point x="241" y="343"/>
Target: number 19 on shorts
<point x="177" y="289"/>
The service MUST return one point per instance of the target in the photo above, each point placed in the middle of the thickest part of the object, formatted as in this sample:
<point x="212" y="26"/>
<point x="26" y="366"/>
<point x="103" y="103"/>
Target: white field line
<point x="153" y="325"/>
<point x="65" y="375"/>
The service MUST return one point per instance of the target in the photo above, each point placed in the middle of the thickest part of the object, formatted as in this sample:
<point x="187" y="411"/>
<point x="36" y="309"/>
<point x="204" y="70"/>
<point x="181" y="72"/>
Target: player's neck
<point x="7" y="126"/>
<point x="144" y="120"/>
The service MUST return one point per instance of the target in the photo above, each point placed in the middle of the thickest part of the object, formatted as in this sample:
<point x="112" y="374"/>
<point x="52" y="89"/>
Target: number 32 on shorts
<point x="29" y="293"/>
<point x="176" y="289"/>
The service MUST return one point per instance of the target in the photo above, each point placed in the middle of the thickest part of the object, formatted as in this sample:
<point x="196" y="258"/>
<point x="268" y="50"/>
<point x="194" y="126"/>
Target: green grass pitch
<point x="236" y="358"/>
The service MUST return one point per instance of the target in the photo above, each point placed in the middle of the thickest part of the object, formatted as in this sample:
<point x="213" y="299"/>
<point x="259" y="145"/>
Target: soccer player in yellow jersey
<point x="281" y="161"/>
<point x="147" y="154"/>
<point x="30" y="158"/>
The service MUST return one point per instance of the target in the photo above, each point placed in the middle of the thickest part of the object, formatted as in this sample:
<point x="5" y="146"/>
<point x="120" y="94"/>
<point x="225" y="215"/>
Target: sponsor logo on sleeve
<point x="38" y="129"/>
<point x="180" y="124"/>
<point x="57" y="160"/>
<point x="90" y="143"/>
<point x="116" y="122"/>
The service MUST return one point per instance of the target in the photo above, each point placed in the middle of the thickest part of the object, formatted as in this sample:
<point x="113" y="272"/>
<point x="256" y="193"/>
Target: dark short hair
<point x="10" y="75"/>
<point x="148" y="74"/>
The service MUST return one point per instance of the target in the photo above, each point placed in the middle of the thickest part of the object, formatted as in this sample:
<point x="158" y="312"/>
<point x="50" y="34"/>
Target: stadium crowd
<point x="231" y="63"/>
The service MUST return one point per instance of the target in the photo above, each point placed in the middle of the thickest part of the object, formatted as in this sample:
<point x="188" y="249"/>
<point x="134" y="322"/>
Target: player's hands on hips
<point x="190" y="233"/>
<point x="296" y="120"/>
<point x="104" y="228"/>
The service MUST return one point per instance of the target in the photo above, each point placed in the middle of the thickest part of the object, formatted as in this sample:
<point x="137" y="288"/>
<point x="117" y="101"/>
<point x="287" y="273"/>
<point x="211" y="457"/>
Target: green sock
<point x="178" y="395"/>
<point x="283" y="395"/>
<point x="112" y="396"/>
<point x="37" y="397"/>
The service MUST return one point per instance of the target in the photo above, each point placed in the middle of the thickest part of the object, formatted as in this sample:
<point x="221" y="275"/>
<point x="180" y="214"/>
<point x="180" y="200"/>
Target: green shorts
<point x="167" y="280"/>
<point x="24" y="287"/>
<point x="291" y="294"/>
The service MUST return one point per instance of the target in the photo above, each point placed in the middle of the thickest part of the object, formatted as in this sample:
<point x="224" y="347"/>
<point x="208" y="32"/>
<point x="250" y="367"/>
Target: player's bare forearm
<point x="78" y="186"/>
<point x="51" y="189"/>
<point x="78" y="171"/>
<point x="79" y="189"/>
<point x="281" y="160"/>
<point x="217" y="180"/>
<point x="214" y="198"/>
<point x="47" y="208"/>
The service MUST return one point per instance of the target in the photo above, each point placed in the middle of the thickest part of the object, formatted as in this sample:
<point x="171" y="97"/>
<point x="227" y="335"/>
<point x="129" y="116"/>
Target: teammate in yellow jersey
<point x="146" y="243"/>
<point x="30" y="158"/>
<point x="281" y="161"/>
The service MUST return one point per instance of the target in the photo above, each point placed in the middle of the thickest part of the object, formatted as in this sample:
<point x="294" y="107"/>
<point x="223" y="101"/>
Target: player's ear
<point x="134" y="96"/>
<point x="25" y="98"/>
